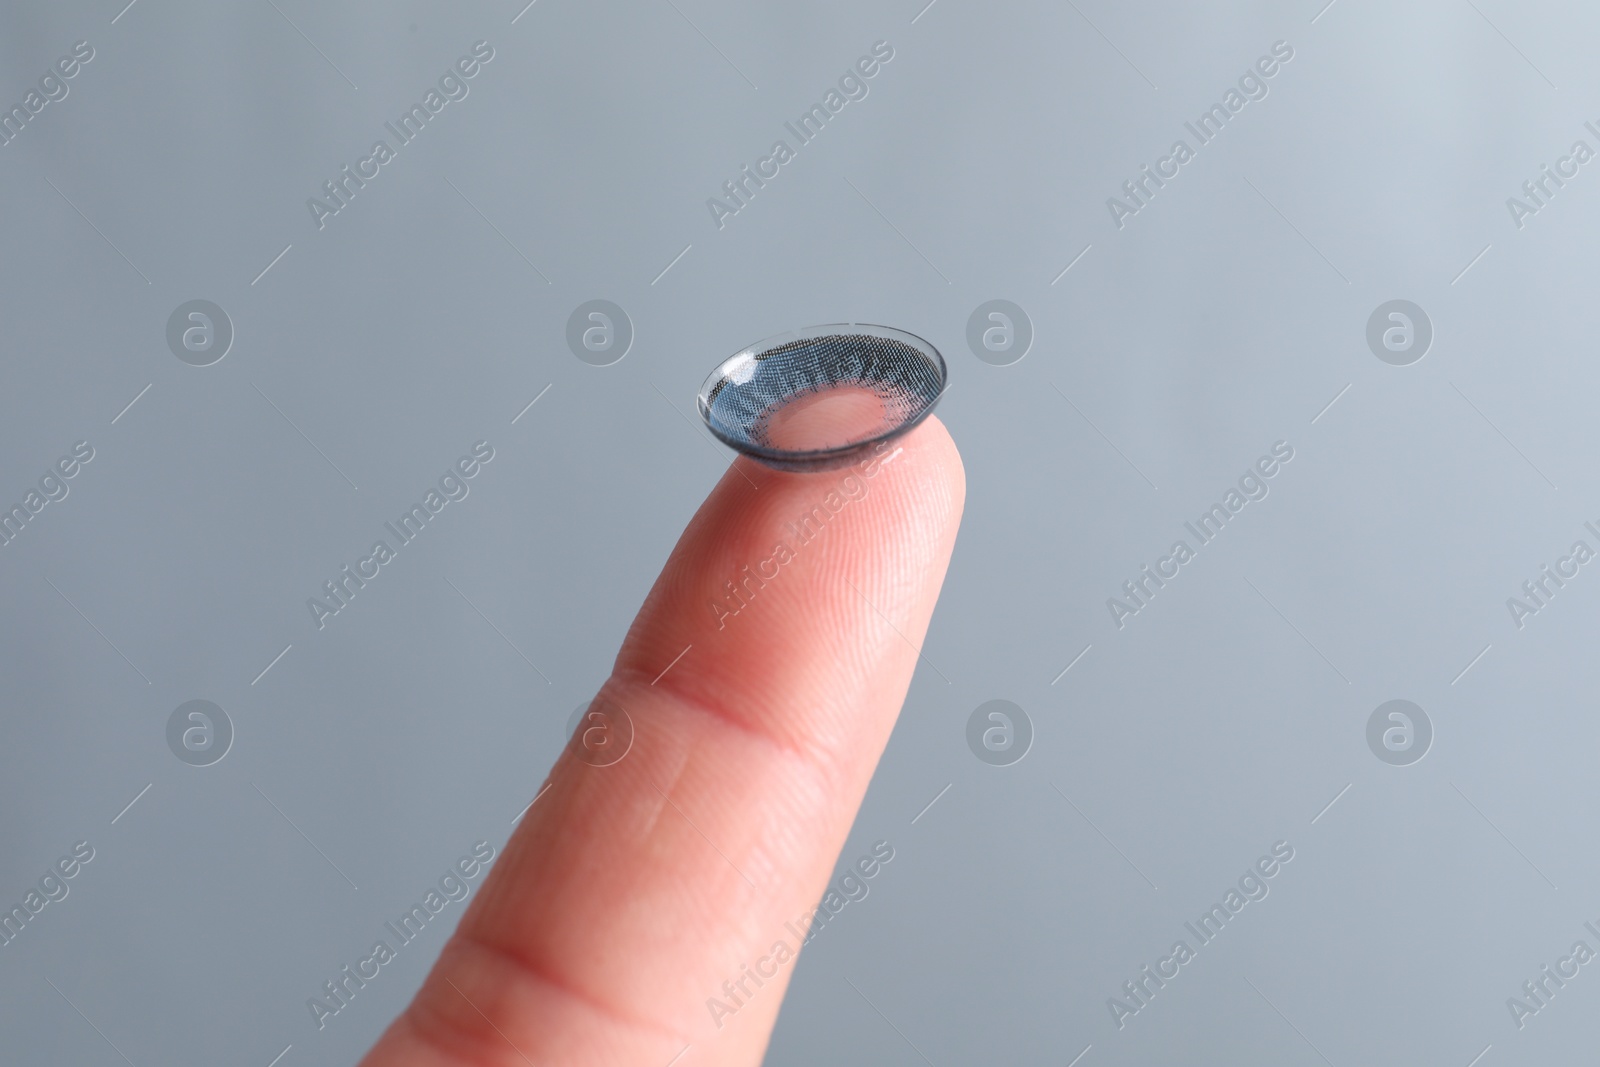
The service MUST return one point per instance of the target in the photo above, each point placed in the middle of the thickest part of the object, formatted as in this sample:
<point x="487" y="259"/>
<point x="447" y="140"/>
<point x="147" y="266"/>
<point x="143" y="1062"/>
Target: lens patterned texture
<point x="818" y="399"/>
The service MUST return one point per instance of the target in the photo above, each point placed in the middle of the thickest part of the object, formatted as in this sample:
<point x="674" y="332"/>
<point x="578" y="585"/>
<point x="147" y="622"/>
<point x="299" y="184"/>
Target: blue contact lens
<point x="822" y="397"/>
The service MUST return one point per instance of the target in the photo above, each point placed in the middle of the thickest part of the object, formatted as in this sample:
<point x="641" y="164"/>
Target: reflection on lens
<point x="822" y="397"/>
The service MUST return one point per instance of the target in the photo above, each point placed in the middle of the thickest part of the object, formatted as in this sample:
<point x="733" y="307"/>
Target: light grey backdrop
<point x="1170" y="352"/>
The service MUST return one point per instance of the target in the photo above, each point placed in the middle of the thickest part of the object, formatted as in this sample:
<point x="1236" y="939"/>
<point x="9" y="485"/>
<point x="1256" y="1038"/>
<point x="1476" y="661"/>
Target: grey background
<point x="1223" y="317"/>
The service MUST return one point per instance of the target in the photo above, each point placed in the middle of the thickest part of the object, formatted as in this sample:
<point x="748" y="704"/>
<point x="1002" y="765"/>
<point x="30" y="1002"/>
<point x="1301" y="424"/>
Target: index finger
<point x="761" y="679"/>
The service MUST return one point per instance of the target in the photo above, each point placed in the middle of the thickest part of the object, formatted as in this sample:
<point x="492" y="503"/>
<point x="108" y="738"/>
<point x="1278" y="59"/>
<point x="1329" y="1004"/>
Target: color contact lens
<point x="822" y="397"/>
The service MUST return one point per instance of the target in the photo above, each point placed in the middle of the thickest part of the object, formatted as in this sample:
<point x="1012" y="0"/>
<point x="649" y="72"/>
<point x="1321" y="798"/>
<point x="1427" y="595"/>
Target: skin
<point x="630" y="893"/>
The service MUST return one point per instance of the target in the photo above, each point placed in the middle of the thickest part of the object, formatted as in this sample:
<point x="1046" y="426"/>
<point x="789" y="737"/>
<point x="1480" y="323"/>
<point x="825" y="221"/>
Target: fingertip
<point x="943" y="458"/>
<point x="929" y="448"/>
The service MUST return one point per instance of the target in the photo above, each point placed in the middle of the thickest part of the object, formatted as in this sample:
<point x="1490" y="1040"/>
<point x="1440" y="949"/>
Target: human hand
<point x="630" y="893"/>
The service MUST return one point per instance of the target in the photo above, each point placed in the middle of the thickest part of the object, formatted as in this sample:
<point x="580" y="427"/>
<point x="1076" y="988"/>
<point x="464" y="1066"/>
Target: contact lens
<point x="823" y="397"/>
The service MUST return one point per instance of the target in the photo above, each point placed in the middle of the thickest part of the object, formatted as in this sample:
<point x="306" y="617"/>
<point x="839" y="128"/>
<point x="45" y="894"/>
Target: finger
<point x="762" y="679"/>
